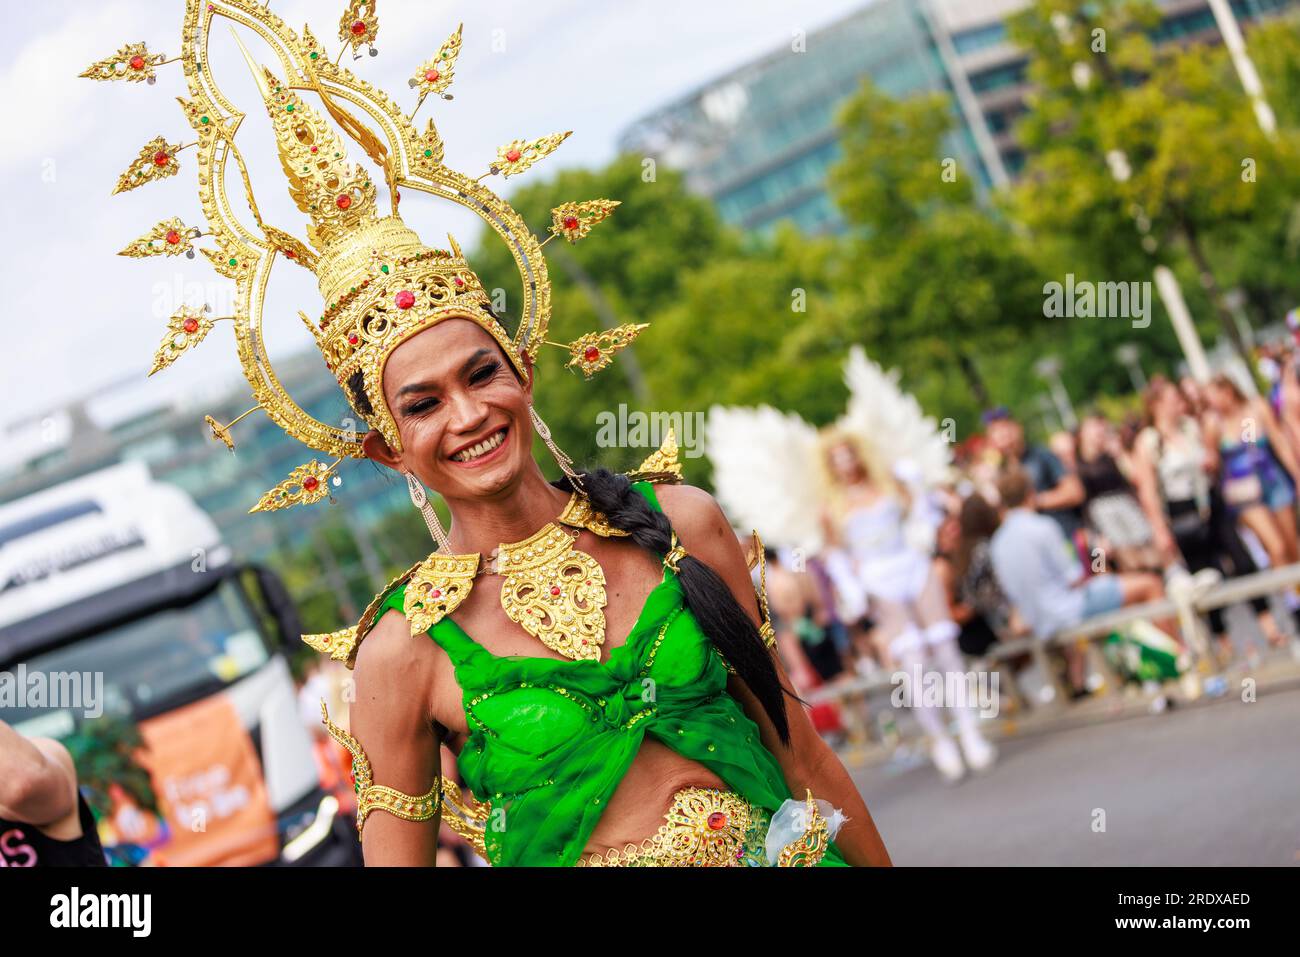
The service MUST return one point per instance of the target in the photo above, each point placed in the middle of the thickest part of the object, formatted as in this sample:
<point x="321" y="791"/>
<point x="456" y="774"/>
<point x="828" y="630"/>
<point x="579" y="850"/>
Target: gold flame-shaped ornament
<point x="574" y="220"/>
<point x="661" y="465"/>
<point x="594" y="351"/>
<point x="337" y="195"/>
<point x="359" y="25"/>
<point x="171" y="237"/>
<point x="306" y="485"/>
<point x="133" y="63"/>
<point x="157" y="160"/>
<point x="185" y="330"/>
<point x="518" y="155"/>
<point x="435" y="74"/>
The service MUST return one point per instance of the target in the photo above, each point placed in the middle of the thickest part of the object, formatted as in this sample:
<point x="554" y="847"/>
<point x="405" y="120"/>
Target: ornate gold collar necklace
<point x="550" y="588"/>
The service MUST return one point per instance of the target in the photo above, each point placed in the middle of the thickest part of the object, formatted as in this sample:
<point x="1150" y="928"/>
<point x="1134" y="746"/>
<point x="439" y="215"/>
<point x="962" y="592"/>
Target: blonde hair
<point x="877" y="471"/>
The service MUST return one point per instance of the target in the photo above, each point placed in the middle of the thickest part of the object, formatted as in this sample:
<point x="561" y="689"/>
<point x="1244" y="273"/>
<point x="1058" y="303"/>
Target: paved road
<point x="1212" y="785"/>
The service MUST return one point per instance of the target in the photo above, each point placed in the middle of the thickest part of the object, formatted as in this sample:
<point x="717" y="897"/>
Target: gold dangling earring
<point x="561" y="459"/>
<point x="420" y="499"/>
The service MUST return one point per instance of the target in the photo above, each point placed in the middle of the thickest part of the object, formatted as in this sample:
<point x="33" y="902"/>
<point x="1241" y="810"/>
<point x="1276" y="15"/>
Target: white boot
<point x="980" y="753"/>
<point x="947" y="758"/>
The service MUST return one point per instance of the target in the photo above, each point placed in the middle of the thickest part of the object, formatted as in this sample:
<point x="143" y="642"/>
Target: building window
<point x="979" y="38"/>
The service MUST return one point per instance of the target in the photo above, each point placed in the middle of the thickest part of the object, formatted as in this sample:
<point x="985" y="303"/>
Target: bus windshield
<point x="169" y="656"/>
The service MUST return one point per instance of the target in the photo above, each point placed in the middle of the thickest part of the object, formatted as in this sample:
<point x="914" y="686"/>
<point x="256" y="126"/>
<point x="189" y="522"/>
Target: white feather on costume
<point x="893" y="425"/>
<point x="766" y="469"/>
<point x="765" y="473"/>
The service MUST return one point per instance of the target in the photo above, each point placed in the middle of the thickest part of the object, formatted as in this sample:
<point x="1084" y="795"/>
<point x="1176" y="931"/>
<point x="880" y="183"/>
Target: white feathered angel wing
<point x="765" y="473"/>
<point x="891" y="422"/>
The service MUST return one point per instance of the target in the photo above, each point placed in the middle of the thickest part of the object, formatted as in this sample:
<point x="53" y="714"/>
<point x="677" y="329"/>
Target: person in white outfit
<point x="873" y="554"/>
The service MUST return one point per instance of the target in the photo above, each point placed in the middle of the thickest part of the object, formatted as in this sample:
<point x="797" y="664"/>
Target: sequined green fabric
<point x="550" y="739"/>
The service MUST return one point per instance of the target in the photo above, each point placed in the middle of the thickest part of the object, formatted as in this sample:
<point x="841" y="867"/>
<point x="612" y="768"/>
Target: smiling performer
<point x="593" y="651"/>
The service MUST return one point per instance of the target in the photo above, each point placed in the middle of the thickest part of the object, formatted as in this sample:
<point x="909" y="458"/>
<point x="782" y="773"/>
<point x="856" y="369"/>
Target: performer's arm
<point x="808" y="762"/>
<point x="391" y="720"/>
<point x="35" y="778"/>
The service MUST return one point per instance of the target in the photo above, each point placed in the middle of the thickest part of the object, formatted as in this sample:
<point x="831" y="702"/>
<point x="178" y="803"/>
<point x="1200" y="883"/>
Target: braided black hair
<point x="707" y="595"/>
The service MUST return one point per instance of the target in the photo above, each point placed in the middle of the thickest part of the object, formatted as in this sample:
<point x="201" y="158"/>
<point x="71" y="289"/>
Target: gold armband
<point x="377" y="797"/>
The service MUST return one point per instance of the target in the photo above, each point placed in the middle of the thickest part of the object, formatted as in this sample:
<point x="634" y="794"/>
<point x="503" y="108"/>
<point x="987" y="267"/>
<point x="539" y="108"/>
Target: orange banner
<point x="209" y="786"/>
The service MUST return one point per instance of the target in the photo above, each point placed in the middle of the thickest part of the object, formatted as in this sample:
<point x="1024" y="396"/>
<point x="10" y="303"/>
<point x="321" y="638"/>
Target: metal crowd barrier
<point x="1230" y="591"/>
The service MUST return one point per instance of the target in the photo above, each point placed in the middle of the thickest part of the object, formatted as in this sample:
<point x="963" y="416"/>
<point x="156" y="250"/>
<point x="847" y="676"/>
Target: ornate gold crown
<point x="379" y="282"/>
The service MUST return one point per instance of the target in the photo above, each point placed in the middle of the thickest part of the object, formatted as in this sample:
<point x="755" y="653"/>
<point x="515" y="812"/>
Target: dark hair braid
<point x="706" y="594"/>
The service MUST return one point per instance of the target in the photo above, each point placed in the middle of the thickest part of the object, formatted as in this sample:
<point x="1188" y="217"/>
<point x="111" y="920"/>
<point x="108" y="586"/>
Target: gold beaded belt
<point x="704" y="827"/>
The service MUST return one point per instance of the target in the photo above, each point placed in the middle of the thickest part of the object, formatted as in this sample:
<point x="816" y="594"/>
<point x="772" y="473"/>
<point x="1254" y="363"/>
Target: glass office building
<point x="760" y="139"/>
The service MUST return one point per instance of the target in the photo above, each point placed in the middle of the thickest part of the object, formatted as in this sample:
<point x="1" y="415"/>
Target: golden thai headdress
<point x="380" y="283"/>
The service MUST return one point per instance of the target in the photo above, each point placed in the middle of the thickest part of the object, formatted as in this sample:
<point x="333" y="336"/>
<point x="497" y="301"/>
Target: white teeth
<point x="484" y="447"/>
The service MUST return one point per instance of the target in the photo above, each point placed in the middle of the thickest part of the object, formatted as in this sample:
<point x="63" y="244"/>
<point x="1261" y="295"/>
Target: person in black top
<point x="44" y="821"/>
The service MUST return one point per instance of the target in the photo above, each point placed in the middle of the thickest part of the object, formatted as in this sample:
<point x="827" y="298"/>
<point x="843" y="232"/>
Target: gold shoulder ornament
<point x="661" y="466"/>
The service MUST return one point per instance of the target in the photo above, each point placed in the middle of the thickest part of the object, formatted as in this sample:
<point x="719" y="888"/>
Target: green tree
<point x="930" y="280"/>
<point x="1119" y="130"/>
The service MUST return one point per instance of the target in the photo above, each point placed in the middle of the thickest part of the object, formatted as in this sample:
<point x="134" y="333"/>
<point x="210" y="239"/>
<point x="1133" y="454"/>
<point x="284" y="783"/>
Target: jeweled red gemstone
<point x="290" y="254"/>
<point x="190" y="325"/>
<point x="555" y="589"/>
<point x="431" y="75"/>
<point x="570" y="222"/>
<point x="352" y="339"/>
<point x="592" y="354"/>
<point x="717" y="821"/>
<point x="404" y="299"/>
<point x="359" y="28"/>
<point x="513" y="155"/>
<point x="137" y="62"/>
<point x="459" y="281"/>
<point x="173" y="237"/>
<point x="161" y="158"/>
<point x="344" y="201"/>
<point x="310" y="483"/>
<point x="313" y="149"/>
<point x="436" y="593"/>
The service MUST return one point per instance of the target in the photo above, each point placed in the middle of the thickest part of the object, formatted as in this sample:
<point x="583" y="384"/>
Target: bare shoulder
<point x="696" y="515"/>
<point x="704" y="531"/>
<point x="395" y="669"/>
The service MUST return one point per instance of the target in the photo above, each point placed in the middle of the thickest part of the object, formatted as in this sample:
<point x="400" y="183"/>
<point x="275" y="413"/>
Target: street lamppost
<point x="1049" y="369"/>
<point x="1128" y="354"/>
<point x="1231" y="32"/>
<point x="1047" y="414"/>
<point x="1121" y="171"/>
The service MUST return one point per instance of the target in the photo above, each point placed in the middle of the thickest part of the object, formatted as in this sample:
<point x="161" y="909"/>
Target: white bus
<point x="120" y="603"/>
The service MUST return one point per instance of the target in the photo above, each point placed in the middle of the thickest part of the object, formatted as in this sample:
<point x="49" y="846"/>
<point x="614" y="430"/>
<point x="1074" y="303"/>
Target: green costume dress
<point x="550" y="740"/>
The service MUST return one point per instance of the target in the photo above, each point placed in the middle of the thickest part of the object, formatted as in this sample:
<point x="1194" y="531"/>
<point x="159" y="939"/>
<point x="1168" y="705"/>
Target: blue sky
<point x="85" y="317"/>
